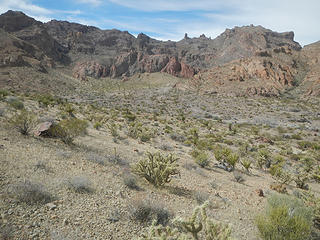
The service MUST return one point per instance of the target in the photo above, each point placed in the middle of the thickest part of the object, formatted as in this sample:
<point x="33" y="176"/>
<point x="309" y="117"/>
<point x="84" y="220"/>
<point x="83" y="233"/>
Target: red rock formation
<point x="175" y="68"/>
<point x="152" y="63"/>
<point x="91" y="69"/>
<point x="186" y="71"/>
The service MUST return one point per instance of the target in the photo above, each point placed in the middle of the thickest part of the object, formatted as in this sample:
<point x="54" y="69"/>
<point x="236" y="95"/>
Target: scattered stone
<point x="51" y="206"/>
<point x="260" y="192"/>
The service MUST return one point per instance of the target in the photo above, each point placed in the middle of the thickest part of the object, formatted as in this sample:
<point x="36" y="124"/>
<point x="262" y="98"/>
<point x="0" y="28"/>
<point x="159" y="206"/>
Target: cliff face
<point x="268" y="62"/>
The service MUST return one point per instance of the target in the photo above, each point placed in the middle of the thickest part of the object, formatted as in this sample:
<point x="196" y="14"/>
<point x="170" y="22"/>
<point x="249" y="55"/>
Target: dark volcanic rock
<point x="33" y="32"/>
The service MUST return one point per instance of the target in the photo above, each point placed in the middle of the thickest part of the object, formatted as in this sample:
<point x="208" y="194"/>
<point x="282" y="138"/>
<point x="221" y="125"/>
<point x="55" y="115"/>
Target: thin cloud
<point x="92" y="2"/>
<point x="177" y="5"/>
<point x="23" y="5"/>
<point x="286" y="15"/>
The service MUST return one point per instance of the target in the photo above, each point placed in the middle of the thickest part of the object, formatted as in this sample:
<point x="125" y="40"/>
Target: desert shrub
<point x="278" y="187"/>
<point x="309" y="145"/>
<point x="190" y="228"/>
<point x="201" y="158"/>
<point x="3" y="94"/>
<point x="67" y="130"/>
<point x="97" y="125"/>
<point x="137" y="131"/>
<point x="296" y="136"/>
<point x="156" y="168"/>
<point x="177" y="137"/>
<point x="166" y="147"/>
<point x="113" y="127"/>
<point x="130" y="181"/>
<point x="285" y="218"/>
<point x="80" y="184"/>
<point x="238" y="177"/>
<point x="301" y="180"/>
<point x="226" y="157"/>
<point x="316" y="174"/>
<point x="15" y="103"/>
<point x="246" y="163"/>
<point x="193" y="136"/>
<point x="48" y="100"/>
<point x="131" y="117"/>
<point x="264" y="158"/>
<point x="30" y="193"/>
<point x="96" y="158"/>
<point x="277" y="171"/>
<point x="146" y="210"/>
<point x="314" y="202"/>
<point x="23" y="122"/>
<point x="308" y="164"/>
<point x="115" y="158"/>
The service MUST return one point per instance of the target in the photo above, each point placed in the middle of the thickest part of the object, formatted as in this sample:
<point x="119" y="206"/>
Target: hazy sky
<point x="170" y="19"/>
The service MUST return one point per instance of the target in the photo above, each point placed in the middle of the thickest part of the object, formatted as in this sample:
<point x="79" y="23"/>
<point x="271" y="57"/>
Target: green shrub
<point x="301" y="180"/>
<point x="264" y="158"/>
<point x="23" y="122"/>
<point x="156" y="168"/>
<point x="308" y="164"/>
<point x="194" y="136"/>
<point x="137" y="131"/>
<point x="309" y="145"/>
<point x="68" y="129"/>
<point x="97" y="125"/>
<point x="201" y="158"/>
<point x="48" y="100"/>
<point x="246" y="163"/>
<point x="226" y="156"/>
<point x="113" y="127"/>
<point x="285" y="218"/>
<point x="3" y="94"/>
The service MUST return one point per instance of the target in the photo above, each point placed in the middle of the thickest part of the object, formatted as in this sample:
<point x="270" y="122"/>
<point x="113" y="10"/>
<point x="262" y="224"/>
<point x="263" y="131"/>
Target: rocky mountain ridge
<point x="263" y="61"/>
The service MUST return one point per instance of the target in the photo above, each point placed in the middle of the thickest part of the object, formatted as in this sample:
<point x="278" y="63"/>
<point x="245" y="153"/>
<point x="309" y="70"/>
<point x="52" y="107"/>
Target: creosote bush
<point x="23" y="122"/>
<point x="286" y="217"/>
<point x="198" y="224"/>
<point x="156" y="168"/>
<point x="68" y="129"/>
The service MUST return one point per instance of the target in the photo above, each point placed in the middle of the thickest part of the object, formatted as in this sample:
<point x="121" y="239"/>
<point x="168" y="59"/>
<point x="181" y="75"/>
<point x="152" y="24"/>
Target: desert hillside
<point x="104" y="135"/>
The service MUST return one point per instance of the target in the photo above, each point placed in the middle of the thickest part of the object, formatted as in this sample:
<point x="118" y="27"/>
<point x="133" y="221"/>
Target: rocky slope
<point x="248" y="60"/>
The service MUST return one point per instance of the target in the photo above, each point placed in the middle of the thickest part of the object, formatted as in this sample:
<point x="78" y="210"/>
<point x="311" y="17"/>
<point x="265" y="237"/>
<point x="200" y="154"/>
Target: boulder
<point x="43" y="129"/>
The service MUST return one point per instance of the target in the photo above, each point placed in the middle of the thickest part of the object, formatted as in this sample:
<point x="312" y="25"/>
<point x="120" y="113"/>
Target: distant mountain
<point x="249" y="60"/>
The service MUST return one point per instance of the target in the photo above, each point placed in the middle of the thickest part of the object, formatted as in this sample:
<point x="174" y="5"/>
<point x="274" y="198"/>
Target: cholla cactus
<point x="199" y="226"/>
<point x="199" y="221"/>
<point x="156" y="168"/>
<point x="164" y="233"/>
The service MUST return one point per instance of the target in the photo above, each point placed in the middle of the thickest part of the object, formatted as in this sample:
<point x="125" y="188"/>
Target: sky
<point x="171" y="19"/>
